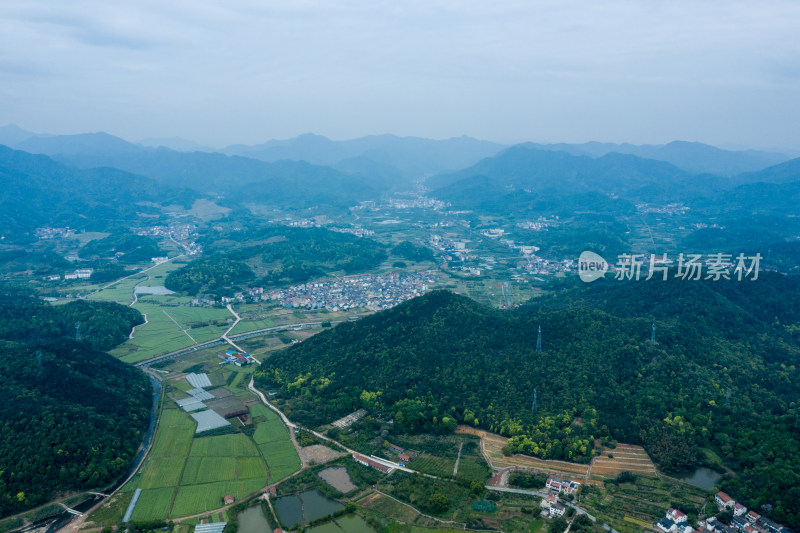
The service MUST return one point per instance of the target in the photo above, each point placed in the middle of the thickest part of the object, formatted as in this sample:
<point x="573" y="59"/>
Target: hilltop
<point x="443" y="359"/>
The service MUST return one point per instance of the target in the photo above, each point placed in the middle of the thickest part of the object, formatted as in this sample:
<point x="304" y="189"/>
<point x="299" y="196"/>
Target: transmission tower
<point x="728" y="396"/>
<point x="539" y="341"/>
<point x="653" y="335"/>
<point x="39" y="365"/>
<point x="533" y="407"/>
<point x="77" y="331"/>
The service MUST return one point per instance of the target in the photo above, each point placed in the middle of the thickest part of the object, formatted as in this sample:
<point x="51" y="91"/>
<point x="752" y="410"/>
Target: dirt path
<point x="179" y="326"/>
<point x="225" y="335"/>
<point x="458" y="459"/>
<point x="134" y="327"/>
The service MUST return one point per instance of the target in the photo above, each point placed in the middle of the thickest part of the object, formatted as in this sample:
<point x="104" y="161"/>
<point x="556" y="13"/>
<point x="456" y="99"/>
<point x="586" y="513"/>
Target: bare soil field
<point x="338" y="478"/>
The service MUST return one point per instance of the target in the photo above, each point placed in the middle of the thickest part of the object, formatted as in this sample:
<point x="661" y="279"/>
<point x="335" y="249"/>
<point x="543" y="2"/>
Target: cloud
<point x="554" y="70"/>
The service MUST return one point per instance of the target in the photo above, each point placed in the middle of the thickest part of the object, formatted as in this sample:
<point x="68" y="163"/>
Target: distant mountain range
<point x="525" y="178"/>
<point x="38" y="191"/>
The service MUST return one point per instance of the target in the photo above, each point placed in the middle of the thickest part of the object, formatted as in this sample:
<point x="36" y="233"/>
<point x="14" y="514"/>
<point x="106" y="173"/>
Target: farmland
<point x="273" y="442"/>
<point x="171" y="328"/>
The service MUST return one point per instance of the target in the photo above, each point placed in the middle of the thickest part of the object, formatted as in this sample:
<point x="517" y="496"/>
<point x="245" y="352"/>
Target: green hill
<point x="72" y="416"/>
<point x="442" y="359"/>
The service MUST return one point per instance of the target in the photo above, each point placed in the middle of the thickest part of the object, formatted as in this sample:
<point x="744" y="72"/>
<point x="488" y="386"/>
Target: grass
<point x="112" y="511"/>
<point x="162" y="472"/>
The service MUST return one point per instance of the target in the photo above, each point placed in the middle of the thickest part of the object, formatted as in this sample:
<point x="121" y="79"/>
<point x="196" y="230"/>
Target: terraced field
<point x="626" y="457"/>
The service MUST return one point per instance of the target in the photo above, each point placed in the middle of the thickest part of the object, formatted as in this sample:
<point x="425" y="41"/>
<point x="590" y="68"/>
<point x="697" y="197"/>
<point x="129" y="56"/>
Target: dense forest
<point x="274" y="256"/>
<point x="443" y="359"/>
<point x="72" y="416"/>
<point x="126" y="248"/>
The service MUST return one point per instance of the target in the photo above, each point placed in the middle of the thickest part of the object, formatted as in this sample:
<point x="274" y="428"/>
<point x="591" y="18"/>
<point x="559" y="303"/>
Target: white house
<point x="666" y="525"/>
<point x="677" y="516"/>
<point x="557" y="510"/>
<point x="723" y="500"/>
<point x="739" y="509"/>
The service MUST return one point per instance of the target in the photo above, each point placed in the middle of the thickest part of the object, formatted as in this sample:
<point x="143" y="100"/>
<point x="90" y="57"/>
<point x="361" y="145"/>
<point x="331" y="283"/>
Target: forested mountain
<point x="72" y="416"/>
<point x="284" y="183"/>
<point x="442" y="359"/>
<point x="409" y="157"/>
<point x="523" y="180"/>
<point x="273" y="256"/>
<point x="693" y="157"/>
<point x="38" y="191"/>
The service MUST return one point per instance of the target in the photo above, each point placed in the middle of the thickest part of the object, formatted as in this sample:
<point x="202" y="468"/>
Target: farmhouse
<point x="404" y="457"/>
<point x="739" y="509"/>
<point x="723" y="500"/>
<point x="366" y="461"/>
<point x="562" y="485"/>
<point x="394" y="448"/>
<point x="677" y="516"/>
<point x="557" y="510"/>
<point x="666" y="525"/>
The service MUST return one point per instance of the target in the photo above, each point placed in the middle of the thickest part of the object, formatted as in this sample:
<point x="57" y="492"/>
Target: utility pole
<point x="539" y="341"/>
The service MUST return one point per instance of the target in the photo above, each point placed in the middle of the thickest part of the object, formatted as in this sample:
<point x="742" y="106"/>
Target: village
<point x="364" y="291"/>
<point x="741" y="521"/>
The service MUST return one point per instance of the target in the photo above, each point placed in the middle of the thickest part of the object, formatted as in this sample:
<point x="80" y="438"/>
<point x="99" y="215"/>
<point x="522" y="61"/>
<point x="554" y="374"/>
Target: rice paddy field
<point x="171" y="328"/>
<point x="185" y="475"/>
<point x="272" y="439"/>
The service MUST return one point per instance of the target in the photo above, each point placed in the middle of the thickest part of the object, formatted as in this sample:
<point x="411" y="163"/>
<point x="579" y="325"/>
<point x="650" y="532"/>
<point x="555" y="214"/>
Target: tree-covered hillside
<point x="72" y="416"/>
<point x="274" y="256"/>
<point x="442" y="359"/>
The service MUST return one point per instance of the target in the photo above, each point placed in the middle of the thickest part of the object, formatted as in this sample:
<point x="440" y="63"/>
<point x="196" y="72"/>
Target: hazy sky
<point x="643" y="71"/>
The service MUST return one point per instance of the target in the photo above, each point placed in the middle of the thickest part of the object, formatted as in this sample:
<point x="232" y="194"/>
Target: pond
<point x="351" y="523"/>
<point x="302" y="508"/>
<point x="253" y="521"/>
<point x="703" y="477"/>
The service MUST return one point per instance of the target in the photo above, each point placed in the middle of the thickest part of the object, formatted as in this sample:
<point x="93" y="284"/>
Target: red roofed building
<point x="404" y="457"/>
<point x="366" y="461"/>
<point x="723" y="500"/>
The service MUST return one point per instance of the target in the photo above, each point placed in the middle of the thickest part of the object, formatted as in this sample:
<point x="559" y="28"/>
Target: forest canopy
<point x="72" y="417"/>
<point x="443" y="359"/>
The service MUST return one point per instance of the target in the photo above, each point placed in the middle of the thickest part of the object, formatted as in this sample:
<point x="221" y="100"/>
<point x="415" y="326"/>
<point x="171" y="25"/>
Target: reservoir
<point x="703" y="477"/>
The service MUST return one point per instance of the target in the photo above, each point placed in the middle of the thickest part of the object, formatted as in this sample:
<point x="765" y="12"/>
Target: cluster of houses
<point x="558" y="486"/>
<point x="743" y="521"/>
<point x="404" y="457"/>
<point x="236" y="358"/>
<point x="353" y="292"/>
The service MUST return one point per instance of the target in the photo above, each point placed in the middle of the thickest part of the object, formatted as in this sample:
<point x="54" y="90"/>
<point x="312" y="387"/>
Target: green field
<point x="195" y="499"/>
<point x="153" y="504"/>
<point x="224" y="446"/>
<point x="171" y="328"/>
<point x="174" y="436"/>
<point x="273" y="441"/>
<point x="437" y="466"/>
<point x="121" y="292"/>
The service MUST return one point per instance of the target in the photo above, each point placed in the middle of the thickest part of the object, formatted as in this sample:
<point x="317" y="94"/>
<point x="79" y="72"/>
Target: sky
<point x="244" y="71"/>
